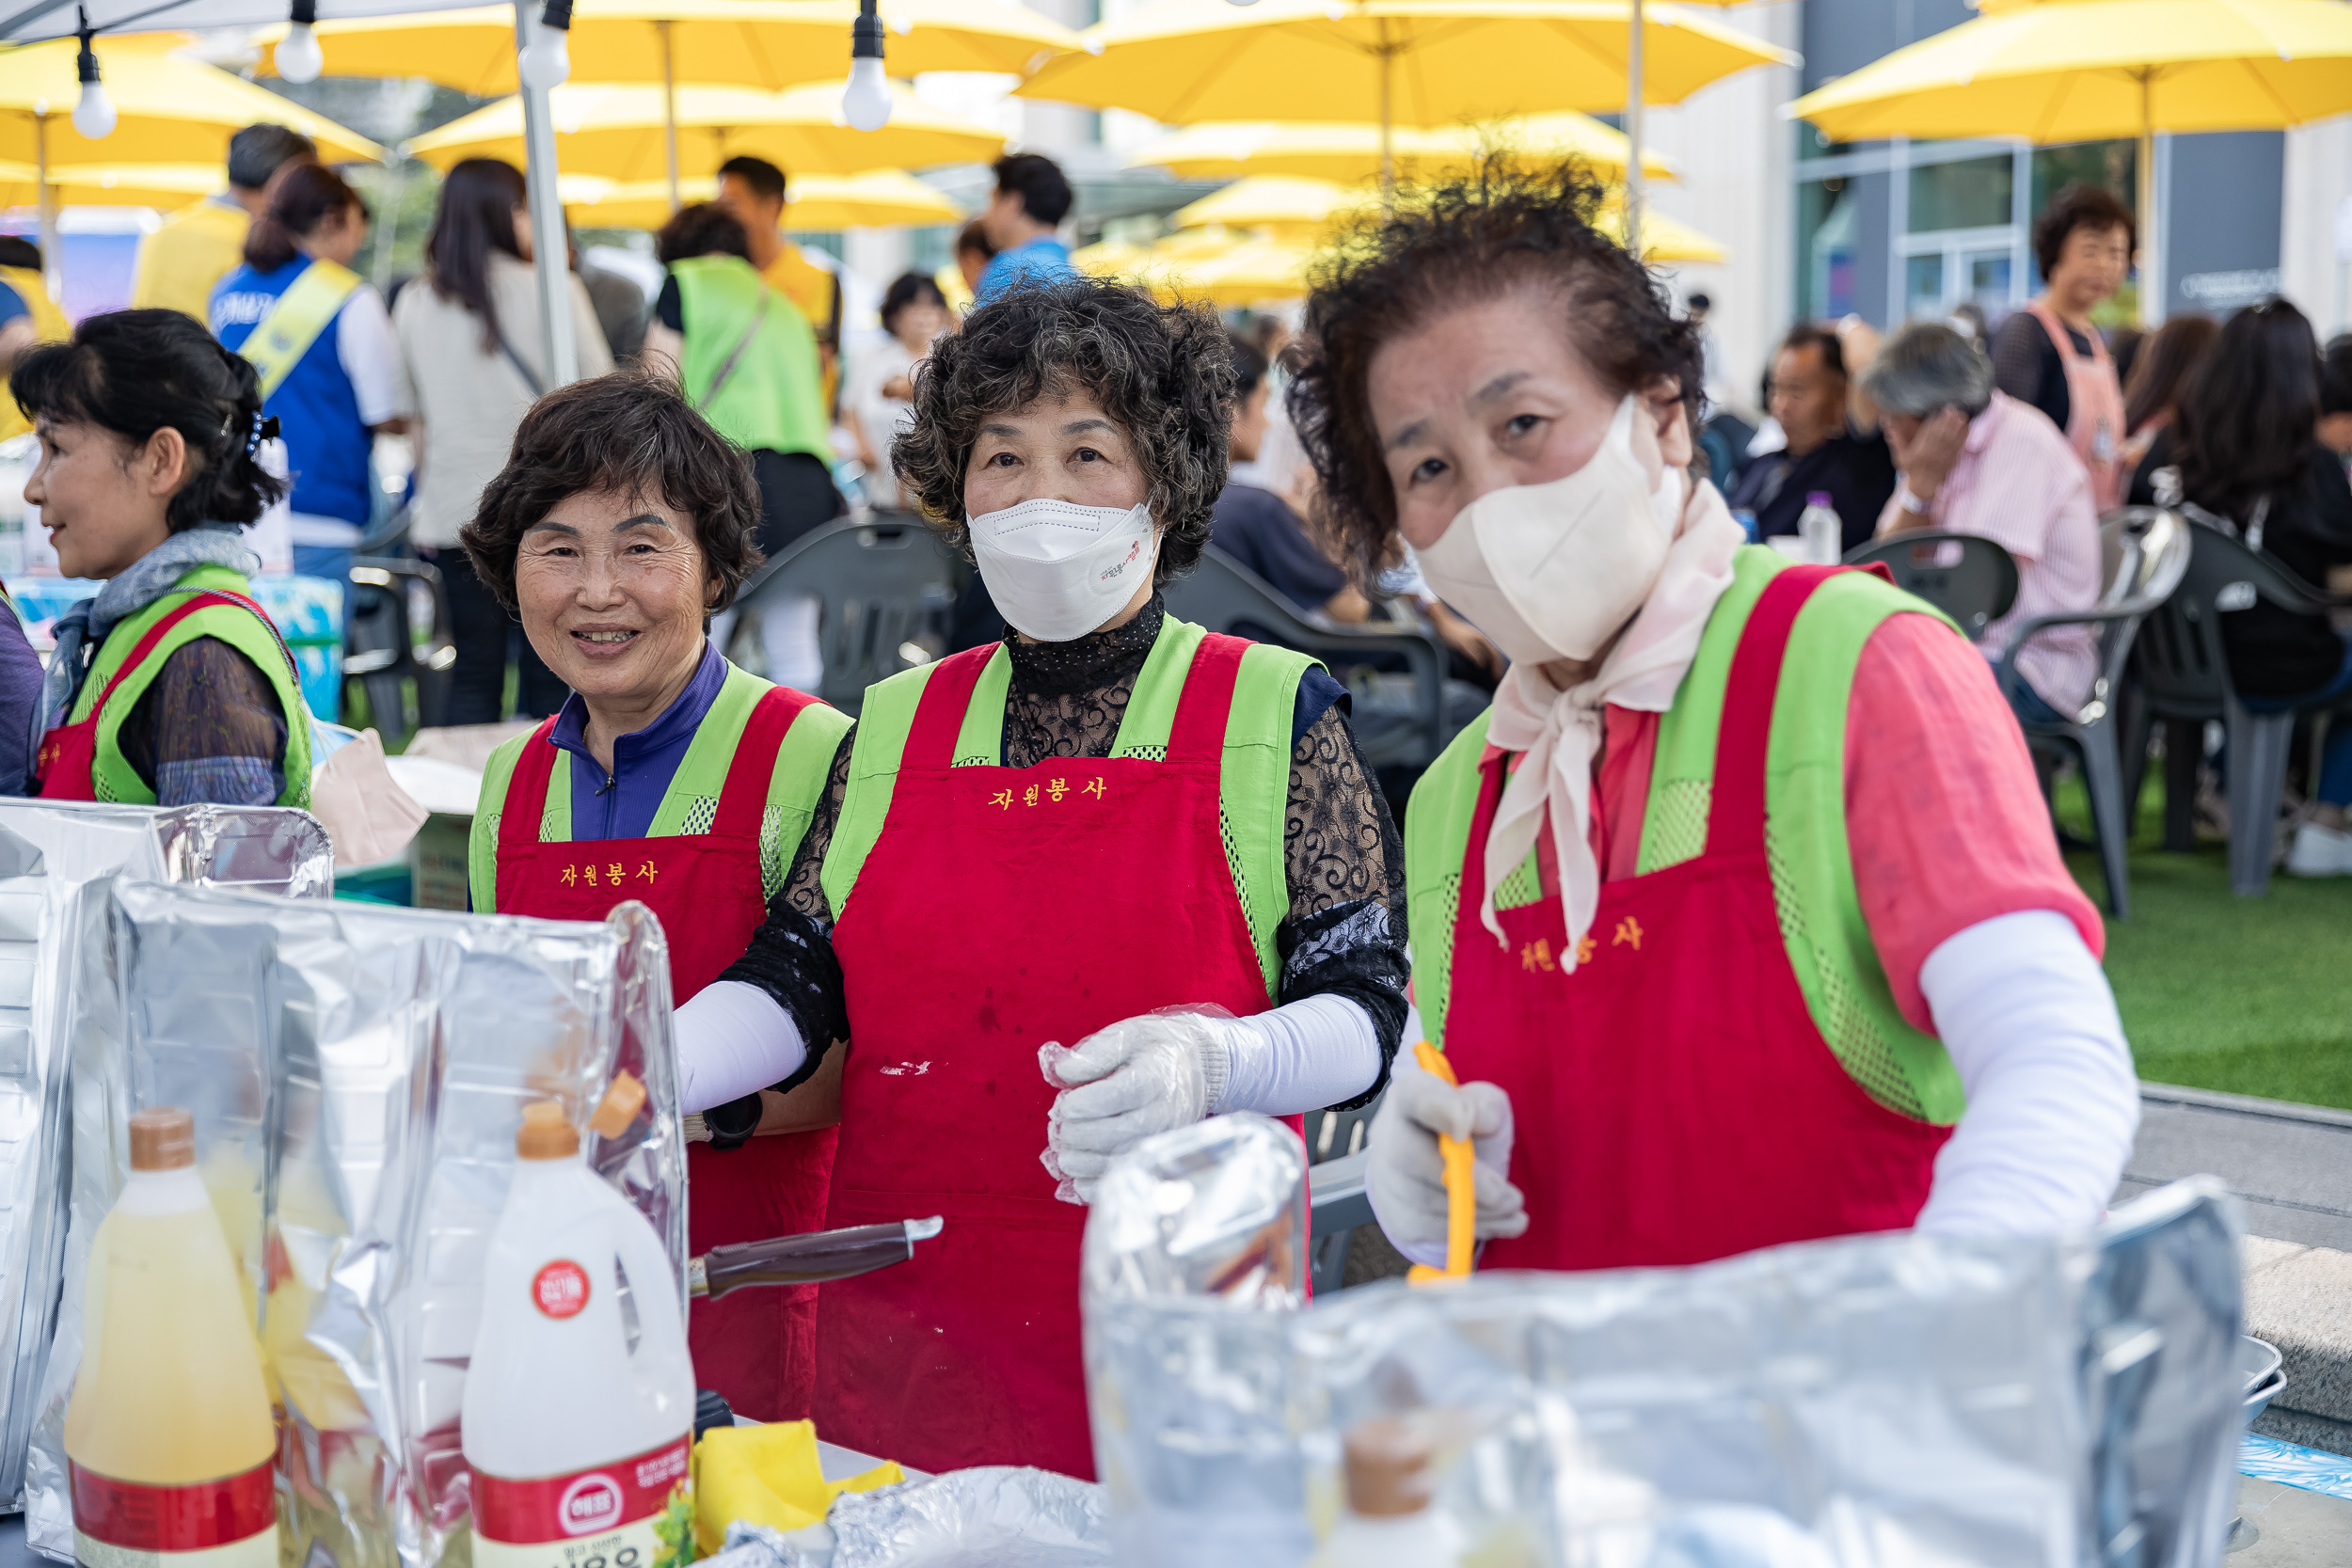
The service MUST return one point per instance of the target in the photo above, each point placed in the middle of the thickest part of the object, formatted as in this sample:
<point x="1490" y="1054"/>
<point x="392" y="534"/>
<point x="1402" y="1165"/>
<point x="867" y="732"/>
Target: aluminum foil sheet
<point x="1883" y="1401"/>
<point x="53" y="854"/>
<point x="1195" y="1263"/>
<point x="987" y="1517"/>
<point x="357" y="1074"/>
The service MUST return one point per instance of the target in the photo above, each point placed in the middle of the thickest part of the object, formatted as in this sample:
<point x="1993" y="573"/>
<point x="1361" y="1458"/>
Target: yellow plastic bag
<point x="768" y="1475"/>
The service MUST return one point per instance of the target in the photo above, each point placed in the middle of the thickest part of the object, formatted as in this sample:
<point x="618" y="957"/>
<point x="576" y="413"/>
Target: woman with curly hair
<point x="1057" y="841"/>
<point x="1741" y="900"/>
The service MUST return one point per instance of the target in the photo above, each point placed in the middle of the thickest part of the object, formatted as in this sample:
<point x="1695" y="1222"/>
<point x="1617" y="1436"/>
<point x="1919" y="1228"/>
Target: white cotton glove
<point x="1405" y="1175"/>
<point x="1122" y="1083"/>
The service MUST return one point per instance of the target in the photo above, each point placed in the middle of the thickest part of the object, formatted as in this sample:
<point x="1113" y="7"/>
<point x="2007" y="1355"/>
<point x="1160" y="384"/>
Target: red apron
<point x="69" y="752"/>
<point x="1673" y="1100"/>
<point x="756" y="1347"/>
<point x="1003" y="908"/>
<point x="2094" y="408"/>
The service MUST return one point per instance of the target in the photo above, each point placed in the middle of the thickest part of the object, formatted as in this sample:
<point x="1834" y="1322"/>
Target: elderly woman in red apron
<point x="1044" y="843"/>
<point x="669" y="776"/>
<point x="1739" y="918"/>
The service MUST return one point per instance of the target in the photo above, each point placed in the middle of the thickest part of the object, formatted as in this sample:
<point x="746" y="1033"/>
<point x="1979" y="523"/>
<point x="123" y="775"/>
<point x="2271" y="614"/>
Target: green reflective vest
<point x="692" y="797"/>
<point x="112" y="777"/>
<point x="1253" y="782"/>
<point x="1830" y="950"/>
<point x="751" y="359"/>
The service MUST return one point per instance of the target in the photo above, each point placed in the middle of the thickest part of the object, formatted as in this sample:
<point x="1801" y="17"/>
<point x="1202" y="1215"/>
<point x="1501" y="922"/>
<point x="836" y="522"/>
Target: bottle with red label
<point x="577" y="1446"/>
<point x="169" y="1434"/>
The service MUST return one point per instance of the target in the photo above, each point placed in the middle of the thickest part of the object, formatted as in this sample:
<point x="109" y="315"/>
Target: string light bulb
<point x="865" y="101"/>
<point x="299" y="57"/>
<point x="94" y="114"/>
<point x="547" y="64"/>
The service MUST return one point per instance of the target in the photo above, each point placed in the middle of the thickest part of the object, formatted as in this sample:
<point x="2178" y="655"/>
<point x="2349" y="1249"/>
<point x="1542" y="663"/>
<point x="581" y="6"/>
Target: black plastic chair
<point x="393" y="600"/>
<point x="2145" y="552"/>
<point x="1971" y="579"/>
<point x="1226" y="596"/>
<point x="2184" y="675"/>
<point x="886" y="588"/>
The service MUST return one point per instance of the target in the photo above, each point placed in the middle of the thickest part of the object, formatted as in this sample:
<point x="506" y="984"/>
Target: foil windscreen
<point x="358" y="1073"/>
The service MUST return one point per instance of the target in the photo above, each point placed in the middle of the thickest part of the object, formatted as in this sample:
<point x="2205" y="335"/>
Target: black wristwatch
<point x="732" y="1125"/>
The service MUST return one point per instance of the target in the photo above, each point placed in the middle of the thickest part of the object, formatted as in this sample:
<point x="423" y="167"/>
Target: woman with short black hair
<point x="171" y="685"/>
<point x="1047" y="842"/>
<point x="2050" y="352"/>
<point x="1741" y="898"/>
<point x="621" y="524"/>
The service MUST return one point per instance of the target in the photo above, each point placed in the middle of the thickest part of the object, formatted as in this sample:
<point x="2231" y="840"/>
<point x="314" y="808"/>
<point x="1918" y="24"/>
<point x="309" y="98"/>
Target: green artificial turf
<point x="2246" y="995"/>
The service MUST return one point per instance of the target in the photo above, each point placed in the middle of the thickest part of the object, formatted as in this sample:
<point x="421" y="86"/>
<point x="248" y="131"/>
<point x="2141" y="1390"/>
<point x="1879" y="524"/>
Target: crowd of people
<point x="1777" y="822"/>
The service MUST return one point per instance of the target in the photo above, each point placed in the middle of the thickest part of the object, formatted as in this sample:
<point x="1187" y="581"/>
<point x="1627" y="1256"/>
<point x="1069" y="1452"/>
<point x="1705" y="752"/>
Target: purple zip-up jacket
<point x="622" y="804"/>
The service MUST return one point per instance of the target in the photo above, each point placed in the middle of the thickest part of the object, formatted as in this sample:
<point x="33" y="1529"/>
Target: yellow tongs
<point x="1461" y="1185"/>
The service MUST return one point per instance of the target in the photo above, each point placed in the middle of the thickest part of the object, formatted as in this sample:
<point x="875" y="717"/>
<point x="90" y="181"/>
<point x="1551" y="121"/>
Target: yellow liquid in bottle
<point x="170" y="1389"/>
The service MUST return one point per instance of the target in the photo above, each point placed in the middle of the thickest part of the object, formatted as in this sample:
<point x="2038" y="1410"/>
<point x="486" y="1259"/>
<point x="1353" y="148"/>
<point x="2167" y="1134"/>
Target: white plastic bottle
<point x="578" y="1448"/>
<point x="1390" y="1520"/>
<point x="169" y="1434"/>
<point x="1821" y="530"/>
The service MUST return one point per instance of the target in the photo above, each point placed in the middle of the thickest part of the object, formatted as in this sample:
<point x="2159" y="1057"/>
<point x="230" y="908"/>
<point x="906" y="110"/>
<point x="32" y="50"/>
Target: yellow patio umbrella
<point x="167" y="109"/>
<point x="2068" y="71"/>
<point x="618" y="132"/>
<point x="1293" y="209"/>
<point x="1260" y="269"/>
<point x="166" y="187"/>
<point x="771" y="44"/>
<point x="1410" y="62"/>
<point x="1110" y="259"/>
<point x="1350" y="151"/>
<point x="1663" y="239"/>
<point x="879" y="198"/>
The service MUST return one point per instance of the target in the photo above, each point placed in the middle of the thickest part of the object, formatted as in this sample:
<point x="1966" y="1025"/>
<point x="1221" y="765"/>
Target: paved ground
<point x="2291" y="1164"/>
<point x="2283" y="1526"/>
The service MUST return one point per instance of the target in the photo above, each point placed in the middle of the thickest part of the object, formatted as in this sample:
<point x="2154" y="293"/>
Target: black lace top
<point x="1345" y="933"/>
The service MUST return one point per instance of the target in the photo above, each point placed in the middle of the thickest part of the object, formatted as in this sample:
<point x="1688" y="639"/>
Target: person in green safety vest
<point x="171" y="685"/>
<point x="746" y="357"/>
<point x="1739" y="918"/>
<point x="621" y="522"/>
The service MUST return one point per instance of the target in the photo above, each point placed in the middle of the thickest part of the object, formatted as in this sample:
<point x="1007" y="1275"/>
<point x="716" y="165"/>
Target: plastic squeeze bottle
<point x="1820" y="529"/>
<point x="1390" y="1521"/>
<point x="170" y="1433"/>
<point x="577" y="1447"/>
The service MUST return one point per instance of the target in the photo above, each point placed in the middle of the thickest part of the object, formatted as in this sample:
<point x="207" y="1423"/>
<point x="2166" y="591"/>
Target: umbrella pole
<point x="1633" y="186"/>
<point x="2151" y="228"/>
<point x="1388" y="164"/>
<point x="669" y="111"/>
<point x="52" y="264"/>
<point x="550" y="242"/>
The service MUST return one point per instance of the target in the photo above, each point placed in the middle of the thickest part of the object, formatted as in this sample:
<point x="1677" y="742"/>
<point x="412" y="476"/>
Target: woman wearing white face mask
<point x="1742" y="910"/>
<point x="1050" y="840"/>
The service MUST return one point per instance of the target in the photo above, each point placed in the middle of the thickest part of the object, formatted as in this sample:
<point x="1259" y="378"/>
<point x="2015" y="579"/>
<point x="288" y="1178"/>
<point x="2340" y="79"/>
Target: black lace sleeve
<point x="1345" y="935"/>
<point x="790" y="957"/>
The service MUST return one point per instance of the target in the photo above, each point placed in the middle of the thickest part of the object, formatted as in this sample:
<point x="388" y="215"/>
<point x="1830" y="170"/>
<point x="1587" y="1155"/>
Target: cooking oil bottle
<point x="168" y="1433"/>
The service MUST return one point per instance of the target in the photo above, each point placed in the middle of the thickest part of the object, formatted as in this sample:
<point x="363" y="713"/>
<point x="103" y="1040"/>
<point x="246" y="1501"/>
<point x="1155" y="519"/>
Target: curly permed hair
<point x="1501" y="229"/>
<point x="1163" y="374"/>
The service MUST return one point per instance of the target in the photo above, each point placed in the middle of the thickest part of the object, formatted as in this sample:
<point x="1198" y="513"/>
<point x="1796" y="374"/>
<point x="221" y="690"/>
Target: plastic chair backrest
<point x="1972" y="580"/>
<point x="1226" y="596"/>
<point x="882" y="585"/>
<point x="2182" y="663"/>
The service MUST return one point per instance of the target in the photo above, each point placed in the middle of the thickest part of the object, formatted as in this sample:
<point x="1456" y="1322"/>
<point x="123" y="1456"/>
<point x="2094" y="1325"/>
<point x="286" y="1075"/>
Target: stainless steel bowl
<point x="2259" y="1364"/>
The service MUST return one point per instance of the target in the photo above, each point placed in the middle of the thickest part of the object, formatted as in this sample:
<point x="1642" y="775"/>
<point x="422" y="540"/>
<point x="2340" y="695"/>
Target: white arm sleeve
<point x="369" y="354"/>
<point x="2053" y="1100"/>
<point x="1301" y="1057"/>
<point x="733" y="1040"/>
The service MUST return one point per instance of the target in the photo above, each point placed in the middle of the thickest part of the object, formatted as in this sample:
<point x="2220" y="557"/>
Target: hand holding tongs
<point x="1461" y="1185"/>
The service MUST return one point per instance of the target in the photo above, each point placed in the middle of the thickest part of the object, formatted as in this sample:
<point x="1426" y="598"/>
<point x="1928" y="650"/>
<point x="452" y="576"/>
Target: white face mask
<point x="1059" y="570"/>
<point x="1552" y="571"/>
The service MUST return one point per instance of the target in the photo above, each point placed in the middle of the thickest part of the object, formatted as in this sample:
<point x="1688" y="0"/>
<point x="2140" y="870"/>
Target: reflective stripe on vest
<point x="307" y="308"/>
